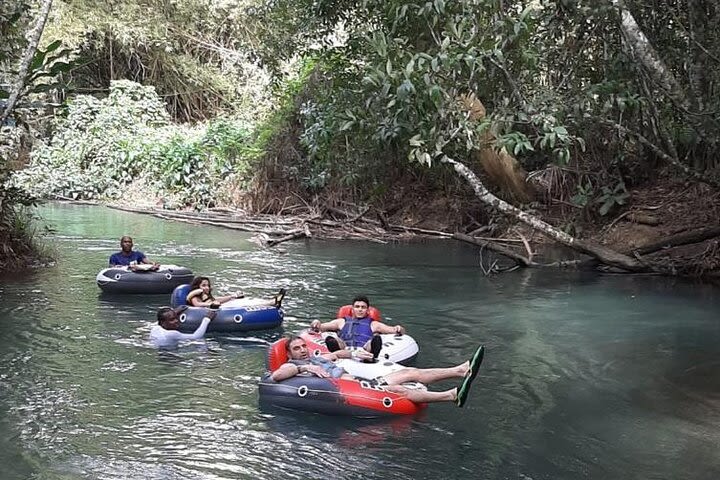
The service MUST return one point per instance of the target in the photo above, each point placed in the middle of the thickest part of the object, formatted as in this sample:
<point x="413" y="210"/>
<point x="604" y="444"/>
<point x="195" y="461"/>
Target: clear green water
<point x="585" y="376"/>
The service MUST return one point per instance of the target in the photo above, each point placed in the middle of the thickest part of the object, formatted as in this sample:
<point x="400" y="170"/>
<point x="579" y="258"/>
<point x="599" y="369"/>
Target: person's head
<point x="360" y="305"/>
<point x="168" y="318"/>
<point x="296" y="348"/>
<point x="126" y="244"/>
<point x="202" y="283"/>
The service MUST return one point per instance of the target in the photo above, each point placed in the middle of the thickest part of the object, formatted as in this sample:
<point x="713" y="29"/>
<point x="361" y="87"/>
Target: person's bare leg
<point x="427" y="375"/>
<point x="424" y="396"/>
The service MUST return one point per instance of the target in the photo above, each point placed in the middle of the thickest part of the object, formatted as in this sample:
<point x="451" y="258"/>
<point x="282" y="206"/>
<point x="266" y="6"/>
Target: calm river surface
<point x="585" y="376"/>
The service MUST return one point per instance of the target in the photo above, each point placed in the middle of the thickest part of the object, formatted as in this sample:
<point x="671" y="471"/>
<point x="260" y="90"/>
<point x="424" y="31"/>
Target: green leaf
<point x="435" y="94"/>
<point x="53" y="46"/>
<point x="605" y="208"/>
<point x="410" y="67"/>
<point x="37" y="61"/>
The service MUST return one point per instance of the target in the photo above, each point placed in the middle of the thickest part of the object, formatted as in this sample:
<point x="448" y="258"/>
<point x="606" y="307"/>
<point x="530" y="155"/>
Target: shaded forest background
<point x="589" y="114"/>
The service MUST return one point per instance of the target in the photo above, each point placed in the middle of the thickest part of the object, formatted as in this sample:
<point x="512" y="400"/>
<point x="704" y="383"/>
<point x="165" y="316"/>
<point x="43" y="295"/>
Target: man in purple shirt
<point x="127" y="257"/>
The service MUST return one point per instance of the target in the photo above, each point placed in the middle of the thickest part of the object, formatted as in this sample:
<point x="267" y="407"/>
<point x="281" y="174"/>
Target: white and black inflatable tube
<point x="124" y="280"/>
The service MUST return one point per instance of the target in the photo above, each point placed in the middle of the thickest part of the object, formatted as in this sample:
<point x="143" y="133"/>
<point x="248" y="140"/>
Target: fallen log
<point x="271" y="242"/>
<point x="492" y="246"/>
<point x="642" y="218"/>
<point x="685" y="238"/>
<point x="603" y="254"/>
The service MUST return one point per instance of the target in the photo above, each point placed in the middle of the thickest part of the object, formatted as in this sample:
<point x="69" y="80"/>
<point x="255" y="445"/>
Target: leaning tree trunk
<point x="646" y="54"/>
<point x="33" y="41"/>
<point x="603" y="254"/>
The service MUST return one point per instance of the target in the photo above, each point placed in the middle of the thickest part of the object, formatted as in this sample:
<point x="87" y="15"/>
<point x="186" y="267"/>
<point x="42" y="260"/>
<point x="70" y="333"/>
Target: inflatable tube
<point x="239" y="315"/>
<point x="396" y="348"/>
<point x="335" y="397"/>
<point x="124" y="280"/>
<point x="358" y="398"/>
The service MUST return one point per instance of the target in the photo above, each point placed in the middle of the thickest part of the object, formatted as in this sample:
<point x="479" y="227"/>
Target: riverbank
<point x="677" y="218"/>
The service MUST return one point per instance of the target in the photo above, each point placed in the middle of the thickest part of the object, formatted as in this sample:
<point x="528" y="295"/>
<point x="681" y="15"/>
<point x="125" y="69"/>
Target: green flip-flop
<point x="464" y="389"/>
<point x="279" y="297"/>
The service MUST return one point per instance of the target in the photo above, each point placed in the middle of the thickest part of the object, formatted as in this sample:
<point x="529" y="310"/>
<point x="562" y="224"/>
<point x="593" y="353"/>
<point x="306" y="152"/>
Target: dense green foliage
<point x="197" y="53"/>
<point x="104" y="146"/>
<point x="363" y="93"/>
<point x="562" y="82"/>
<point x="18" y="237"/>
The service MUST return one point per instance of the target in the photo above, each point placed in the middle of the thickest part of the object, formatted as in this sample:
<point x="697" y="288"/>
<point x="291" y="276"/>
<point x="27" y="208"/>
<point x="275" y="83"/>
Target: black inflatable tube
<point x="118" y="280"/>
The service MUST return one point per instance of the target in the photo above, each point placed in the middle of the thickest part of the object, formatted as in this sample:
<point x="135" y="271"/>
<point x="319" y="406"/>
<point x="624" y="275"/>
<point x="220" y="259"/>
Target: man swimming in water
<point x="165" y="334"/>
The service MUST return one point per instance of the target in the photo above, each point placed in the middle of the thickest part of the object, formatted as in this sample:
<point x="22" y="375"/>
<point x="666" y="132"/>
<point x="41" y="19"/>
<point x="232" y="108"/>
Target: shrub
<point x="103" y="145"/>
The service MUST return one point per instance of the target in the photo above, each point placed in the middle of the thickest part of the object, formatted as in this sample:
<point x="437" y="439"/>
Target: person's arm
<point x="379" y="327"/>
<point x="286" y="370"/>
<point x="337" y="355"/>
<point x="196" y="335"/>
<point x="167" y="338"/>
<point x="193" y="298"/>
<point x="200" y="331"/>
<point x="196" y="302"/>
<point x="289" y="370"/>
<point x="227" y="298"/>
<point x="332" y="326"/>
<point x="145" y="260"/>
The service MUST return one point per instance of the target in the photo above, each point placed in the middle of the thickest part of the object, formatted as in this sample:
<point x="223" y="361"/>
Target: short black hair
<point x="361" y="298"/>
<point x="163" y="314"/>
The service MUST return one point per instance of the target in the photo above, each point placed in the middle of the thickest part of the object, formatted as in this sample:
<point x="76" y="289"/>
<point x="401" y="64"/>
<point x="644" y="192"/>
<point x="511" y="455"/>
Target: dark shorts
<point x="378" y="382"/>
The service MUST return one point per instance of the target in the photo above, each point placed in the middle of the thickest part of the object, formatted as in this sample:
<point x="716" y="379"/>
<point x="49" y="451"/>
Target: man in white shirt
<point x="165" y="333"/>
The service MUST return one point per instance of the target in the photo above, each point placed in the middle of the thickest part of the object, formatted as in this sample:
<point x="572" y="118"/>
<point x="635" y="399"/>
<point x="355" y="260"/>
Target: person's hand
<point x="317" y="370"/>
<point x="211" y="314"/>
<point x="155" y="266"/>
<point x="361" y="354"/>
<point x="399" y="330"/>
<point x="239" y="294"/>
<point x="315" y="325"/>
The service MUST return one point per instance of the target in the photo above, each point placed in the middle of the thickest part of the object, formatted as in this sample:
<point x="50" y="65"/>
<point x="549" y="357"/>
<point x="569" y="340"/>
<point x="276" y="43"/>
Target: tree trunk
<point x="33" y="41"/>
<point x="644" y="52"/>
<point x="603" y="254"/>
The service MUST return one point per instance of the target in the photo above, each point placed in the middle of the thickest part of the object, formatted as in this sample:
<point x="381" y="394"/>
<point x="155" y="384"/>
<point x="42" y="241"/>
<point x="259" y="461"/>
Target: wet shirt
<point x="171" y="338"/>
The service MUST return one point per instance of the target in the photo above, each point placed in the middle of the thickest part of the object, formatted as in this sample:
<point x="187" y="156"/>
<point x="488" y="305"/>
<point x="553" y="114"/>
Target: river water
<point x="585" y="376"/>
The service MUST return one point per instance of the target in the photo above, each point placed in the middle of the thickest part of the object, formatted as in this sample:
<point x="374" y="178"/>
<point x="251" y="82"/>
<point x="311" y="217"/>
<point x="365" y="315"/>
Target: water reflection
<point x="585" y="376"/>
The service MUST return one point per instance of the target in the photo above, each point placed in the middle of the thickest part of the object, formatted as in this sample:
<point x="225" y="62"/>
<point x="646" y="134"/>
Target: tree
<point x="18" y="87"/>
<point x="555" y="77"/>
